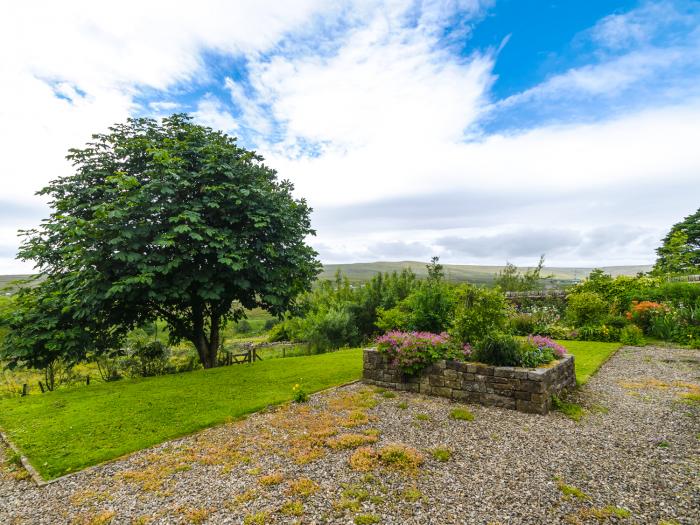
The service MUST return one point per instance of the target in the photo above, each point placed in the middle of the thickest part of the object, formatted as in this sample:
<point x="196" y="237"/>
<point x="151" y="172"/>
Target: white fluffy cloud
<point x="367" y="107"/>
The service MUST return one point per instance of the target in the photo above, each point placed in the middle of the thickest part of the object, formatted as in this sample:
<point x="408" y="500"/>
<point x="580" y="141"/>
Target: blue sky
<point x="480" y="131"/>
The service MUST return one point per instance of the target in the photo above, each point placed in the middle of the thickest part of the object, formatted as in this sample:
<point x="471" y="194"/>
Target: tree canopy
<point x="173" y="220"/>
<point x="680" y="250"/>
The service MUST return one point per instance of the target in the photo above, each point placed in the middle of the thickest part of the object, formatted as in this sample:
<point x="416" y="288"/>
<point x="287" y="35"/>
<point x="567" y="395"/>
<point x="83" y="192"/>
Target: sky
<point x="478" y="131"/>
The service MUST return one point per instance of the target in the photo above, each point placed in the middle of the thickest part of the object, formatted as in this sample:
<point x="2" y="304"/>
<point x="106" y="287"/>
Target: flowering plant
<point x="542" y="342"/>
<point x="642" y="313"/>
<point x="413" y="351"/>
<point x="299" y="394"/>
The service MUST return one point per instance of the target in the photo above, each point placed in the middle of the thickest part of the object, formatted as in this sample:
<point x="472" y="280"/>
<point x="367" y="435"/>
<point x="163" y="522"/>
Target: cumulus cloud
<point x="380" y="119"/>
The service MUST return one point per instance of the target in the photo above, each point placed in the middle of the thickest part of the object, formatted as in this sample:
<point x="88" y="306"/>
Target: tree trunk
<point x="207" y="347"/>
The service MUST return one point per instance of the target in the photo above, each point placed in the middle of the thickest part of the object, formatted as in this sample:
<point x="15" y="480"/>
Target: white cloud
<point x="211" y="112"/>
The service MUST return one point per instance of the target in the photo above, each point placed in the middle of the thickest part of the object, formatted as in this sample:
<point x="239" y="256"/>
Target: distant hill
<point x="360" y="272"/>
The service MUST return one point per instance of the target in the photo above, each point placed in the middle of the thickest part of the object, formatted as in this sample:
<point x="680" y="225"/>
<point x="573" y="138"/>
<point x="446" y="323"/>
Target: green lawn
<point x="589" y="356"/>
<point x="68" y="430"/>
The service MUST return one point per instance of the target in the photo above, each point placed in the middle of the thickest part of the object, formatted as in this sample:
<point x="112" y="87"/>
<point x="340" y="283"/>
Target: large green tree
<point x="173" y="220"/>
<point x="680" y="249"/>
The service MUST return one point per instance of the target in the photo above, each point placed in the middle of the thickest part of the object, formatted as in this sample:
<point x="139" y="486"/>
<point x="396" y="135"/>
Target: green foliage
<point x="46" y="334"/>
<point x="680" y="250"/>
<point x="586" y="308"/>
<point x="499" y="350"/>
<point x="427" y="308"/>
<point x="173" y="220"/>
<point x="597" y="332"/>
<point x="478" y="312"/>
<point x="147" y="358"/>
<point x="632" y="335"/>
<point x="532" y="356"/>
<point x="441" y="454"/>
<point x="243" y="327"/>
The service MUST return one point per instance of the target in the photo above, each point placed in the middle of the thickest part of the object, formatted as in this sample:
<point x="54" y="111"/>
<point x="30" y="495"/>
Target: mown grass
<point x="67" y="430"/>
<point x="589" y="356"/>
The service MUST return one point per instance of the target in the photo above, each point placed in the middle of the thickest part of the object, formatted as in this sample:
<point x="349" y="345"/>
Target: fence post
<point x="25" y="389"/>
<point x="41" y="386"/>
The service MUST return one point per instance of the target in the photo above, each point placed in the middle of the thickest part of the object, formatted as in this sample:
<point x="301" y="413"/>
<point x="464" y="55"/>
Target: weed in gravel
<point x="271" y="479"/>
<point x="663" y="443"/>
<point x="345" y="441"/>
<point x="569" y="491"/>
<point x="411" y="494"/>
<point x="240" y="499"/>
<point x="193" y="515"/>
<point x="101" y="518"/>
<point x="344" y="504"/>
<point x="366" y="519"/>
<point x="400" y="457"/>
<point x="355" y="418"/>
<point x="668" y="522"/>
<point x="303" y="487"/>
<point x="353" y="400"/>
<point x="461" y="414"/>
<point x="571" y="410"/>
<point x="364" y="459"/>
<point x="258" y="518"/>
<point x="604" y="513"/>
<point x="354" y="491"/>
<point x="441" y="454"/>
<point x="600" y="409"/>
<point x="89" y="497"/>
<point x="292" y="508"/>
<point x="374" y="432"/>
<point x="388" y="394"/>
<point x="422" y="417"/>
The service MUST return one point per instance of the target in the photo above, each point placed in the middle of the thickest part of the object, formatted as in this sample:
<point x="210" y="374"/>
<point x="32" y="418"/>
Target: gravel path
<point x="633" y="458"/>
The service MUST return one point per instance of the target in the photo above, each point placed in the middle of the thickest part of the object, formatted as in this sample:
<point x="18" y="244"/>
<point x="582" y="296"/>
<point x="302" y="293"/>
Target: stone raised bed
<point x="524" y="389"/>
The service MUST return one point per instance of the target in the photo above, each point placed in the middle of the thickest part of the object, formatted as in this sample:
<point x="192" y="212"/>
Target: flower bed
<point x="524" y="389"/>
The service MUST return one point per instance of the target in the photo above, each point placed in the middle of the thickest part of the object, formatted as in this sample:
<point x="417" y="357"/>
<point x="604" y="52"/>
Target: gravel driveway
<point x="357" y="455"/>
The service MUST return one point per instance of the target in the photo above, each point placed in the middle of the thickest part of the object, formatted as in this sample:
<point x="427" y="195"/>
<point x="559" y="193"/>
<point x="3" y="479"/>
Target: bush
<point x="586" y="308"/>
<point x="478" y="312"/>
<point x="270" y="323"/>
<point x="499" y="350"/>
<point x="642" y="313"/>
<point x="632" y="335"/>
<point x="243" y="326"/>
<point x="413" y="351"/>
<point x="147" y="359"/>
<point x="330" y="329"/>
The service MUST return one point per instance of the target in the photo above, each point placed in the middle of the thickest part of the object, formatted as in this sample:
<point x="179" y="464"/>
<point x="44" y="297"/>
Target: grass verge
<point x="64" y="431"/>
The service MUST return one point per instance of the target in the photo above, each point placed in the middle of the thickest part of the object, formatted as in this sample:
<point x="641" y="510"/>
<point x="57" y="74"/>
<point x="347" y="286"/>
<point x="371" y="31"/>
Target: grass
<point x="571" y="410"/>
<point x="461" y="414"/>
<point x="589" y="356"/>
<point x="67" y="430"/>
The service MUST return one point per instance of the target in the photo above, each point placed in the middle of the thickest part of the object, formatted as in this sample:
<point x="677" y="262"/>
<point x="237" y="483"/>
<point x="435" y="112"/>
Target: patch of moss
<point x="366" y="519"/>
<point x="303" y="487"/>
<point x="292" y="508"/>
<point x="402" y="405"/>
<point x="571" y="410"/>
<point x="569" y="491"/>
<point x="441" y="454"/>
<point x="411" y="494"/>
<point x="461" y="414"/>
<point x="258" y="518"/>
<point x="422" y="417"/>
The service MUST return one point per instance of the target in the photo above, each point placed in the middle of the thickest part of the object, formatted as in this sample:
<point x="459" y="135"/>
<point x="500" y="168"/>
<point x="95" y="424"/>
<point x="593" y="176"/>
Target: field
<point x="70" y="429"/>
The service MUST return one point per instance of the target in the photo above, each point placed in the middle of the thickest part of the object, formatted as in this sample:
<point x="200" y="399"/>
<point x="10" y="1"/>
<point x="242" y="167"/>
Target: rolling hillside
<point x="358" y="272"/>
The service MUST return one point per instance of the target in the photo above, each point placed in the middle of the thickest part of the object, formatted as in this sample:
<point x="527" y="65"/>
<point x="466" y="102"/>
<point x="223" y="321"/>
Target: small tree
<point x="173" y="220"/>
<point x="680" y="250"/>
<point x="44" y="333"/>
<point x="510" y="279"/>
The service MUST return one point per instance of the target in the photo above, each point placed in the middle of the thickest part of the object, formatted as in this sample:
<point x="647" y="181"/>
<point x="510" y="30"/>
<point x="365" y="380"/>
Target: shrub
<point x="413" y="351"/>
<point x="632" y="335"/>
<point x="270" y="323"/>
<point x="586" y="308"/>
<point x="498" y="349"/>
<point x="478" y="312"/>
<point x="642" y="312"/>
<point x="243" y="327"/>
<point x="147" y="359"/>
<point x="299" y="394"/>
